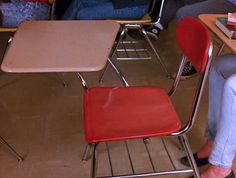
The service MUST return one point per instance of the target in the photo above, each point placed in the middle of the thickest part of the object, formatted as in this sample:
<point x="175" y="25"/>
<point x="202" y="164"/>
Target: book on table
<point x="228" y="30"/>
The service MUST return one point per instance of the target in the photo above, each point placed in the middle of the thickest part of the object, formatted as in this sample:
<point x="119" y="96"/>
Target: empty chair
<point x="141" y="112"/>
<point x="137" y="24"/>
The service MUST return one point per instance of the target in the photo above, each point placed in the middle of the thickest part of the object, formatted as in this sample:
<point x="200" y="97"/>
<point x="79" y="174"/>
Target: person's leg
<point x="169" y="10"/>
<point x="220" y="68"/>
<point x="107" y="11"/>
<point x="37" y="11"/>
<point x="20" y="10"/>
<point x="168" y="13"/>
<point x="224" y="148"/>
<point x="76" y="5"/>
<point x="205" y="7"/>
<point x="220" y="129"/>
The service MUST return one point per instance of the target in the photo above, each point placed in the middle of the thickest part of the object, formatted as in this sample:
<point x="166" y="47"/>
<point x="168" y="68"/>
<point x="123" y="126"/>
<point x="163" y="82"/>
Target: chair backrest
<point x="194" y="40"/>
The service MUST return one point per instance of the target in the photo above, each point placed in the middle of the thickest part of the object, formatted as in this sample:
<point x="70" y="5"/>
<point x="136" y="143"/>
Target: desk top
<point x="60" y="46"/>
<point x="209" y="20"/>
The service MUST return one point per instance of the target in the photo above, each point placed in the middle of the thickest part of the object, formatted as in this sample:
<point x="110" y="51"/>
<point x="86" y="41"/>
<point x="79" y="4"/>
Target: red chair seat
<point x="117" y="113"/>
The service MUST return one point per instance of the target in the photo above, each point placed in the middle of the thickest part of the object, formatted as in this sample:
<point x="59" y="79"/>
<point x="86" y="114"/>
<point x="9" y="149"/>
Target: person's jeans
<point x="222" y="111"/>
<point x="20" y="10"/>
<point x="100" y="10"/>
<point x="196" y="7"/>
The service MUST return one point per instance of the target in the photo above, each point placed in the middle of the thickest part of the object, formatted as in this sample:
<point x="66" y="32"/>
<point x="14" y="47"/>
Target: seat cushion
<point x="117" y="113"/>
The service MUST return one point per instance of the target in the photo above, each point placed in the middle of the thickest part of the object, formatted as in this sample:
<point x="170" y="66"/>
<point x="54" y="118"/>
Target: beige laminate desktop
<point x="60" y="46"/>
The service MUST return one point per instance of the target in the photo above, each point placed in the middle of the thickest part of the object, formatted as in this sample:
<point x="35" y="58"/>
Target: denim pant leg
<point x="77" y="5"/>
<point x="222" y="111"/>
<point x="205" y="7"/>
<point x="107" y="11"/>
<point x="18" y="11"/>
<point x="169" y="10"/>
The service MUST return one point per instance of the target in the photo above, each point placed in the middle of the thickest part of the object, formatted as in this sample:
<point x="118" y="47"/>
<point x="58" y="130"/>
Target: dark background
<point x="61" y="6"/>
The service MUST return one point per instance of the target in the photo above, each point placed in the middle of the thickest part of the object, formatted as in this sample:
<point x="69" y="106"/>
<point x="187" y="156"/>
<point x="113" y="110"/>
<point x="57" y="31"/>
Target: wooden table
<point x="60" y="46"/>
<point x="209" y="20"/>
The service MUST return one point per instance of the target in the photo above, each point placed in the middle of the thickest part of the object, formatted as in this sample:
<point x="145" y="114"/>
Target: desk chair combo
<point x="141" y="112"/>
<point x="13" y="30"/>
<point x="126" y="25"/>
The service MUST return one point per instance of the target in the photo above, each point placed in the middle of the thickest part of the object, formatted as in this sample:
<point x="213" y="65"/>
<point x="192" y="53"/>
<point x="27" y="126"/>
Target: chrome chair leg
<point x="103" y="73"/>
<point x="181" y="147"/>
<point x="189" y="153"/>
<point x="220" y="49"/>
<point x="82" y="80"/>
<point x="86" y="152"/>
<point x="10" y="149"/>
<point x="119" y="74"/>
<point x="64" y="83"/>
<point x="112" y="54"/>
<point x="94" y="161"/>
<point x="155" y="51"/>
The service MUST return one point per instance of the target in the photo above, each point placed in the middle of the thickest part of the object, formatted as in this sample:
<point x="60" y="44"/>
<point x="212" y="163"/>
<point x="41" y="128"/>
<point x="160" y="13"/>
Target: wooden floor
<point x="42" y="120"/>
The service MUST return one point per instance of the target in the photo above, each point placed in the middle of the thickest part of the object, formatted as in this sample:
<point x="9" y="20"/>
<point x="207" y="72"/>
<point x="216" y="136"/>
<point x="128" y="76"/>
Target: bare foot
<point x="215" y="172"/>
<point x="205" y="151"/>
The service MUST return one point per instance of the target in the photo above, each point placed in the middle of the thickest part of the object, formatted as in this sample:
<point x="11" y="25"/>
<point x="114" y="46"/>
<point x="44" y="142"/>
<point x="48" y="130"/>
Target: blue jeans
<point x="196" y="7"/>
<point x="20" y="10"/>
<point x="193" y="8"/>
<point x="100" y="10"/>
<point x="222" y="111"/>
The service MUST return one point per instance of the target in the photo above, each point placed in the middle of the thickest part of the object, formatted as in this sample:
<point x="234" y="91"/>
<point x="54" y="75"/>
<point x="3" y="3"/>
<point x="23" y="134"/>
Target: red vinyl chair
<point x="141" y="112"/>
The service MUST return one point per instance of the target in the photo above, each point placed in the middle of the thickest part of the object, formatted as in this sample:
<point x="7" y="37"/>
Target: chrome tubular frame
<point x="114" y="67"/>
<point x="83" y="82"/>
<point x="143" y="31"/>
<point x="86" y="152"/>
<point x="10" y="149"/>
<point x="197" y="97"/>
<point x="220" y="49"/>
<point x="183" y="140"/>
<point x="61" y="78"/>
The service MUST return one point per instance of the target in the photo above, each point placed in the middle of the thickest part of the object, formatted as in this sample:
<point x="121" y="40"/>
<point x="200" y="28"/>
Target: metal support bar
<point x="122" y="34"/>
<point x="168" y="154"/>
<point x="189" y="153"/>
<point x="53" y="6"/>
<point x="220" y="49"/>
<point x="109" y="158"/>
<point x="155" y="51"/>
<point x="149" y="154"/>
<point x="161" y="173"/>
<point x="10" y="149"/>
<point x="94" y="161"/>
<point x="129" y="156"/>
<point x="86" y="151"/>
<point x="119" y="74"/>
<point x="83" y="82"/>
<point x="64" y="83"/>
